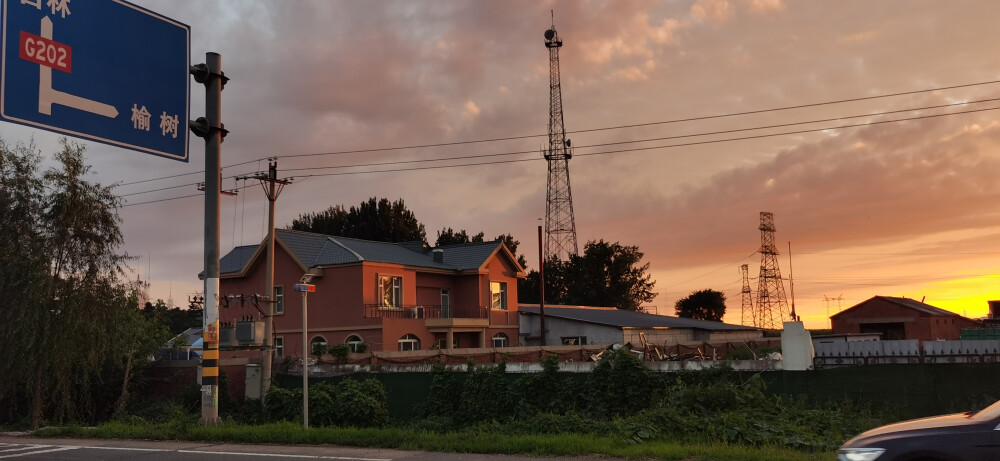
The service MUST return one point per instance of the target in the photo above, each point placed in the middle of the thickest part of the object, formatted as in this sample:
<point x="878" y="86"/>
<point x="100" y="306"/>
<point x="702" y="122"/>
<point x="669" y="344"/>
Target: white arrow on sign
<point x="48" y="96"/>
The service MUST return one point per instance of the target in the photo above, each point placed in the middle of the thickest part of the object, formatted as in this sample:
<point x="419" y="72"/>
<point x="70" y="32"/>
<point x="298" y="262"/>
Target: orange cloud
<point x="718" y="11"/>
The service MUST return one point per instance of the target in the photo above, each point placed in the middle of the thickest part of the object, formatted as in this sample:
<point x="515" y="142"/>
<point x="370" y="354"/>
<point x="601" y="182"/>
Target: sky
<point x="893" y="195"/>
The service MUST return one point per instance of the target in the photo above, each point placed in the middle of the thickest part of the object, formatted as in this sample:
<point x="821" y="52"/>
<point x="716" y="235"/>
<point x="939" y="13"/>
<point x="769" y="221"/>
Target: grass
<point x="409" y="439"/>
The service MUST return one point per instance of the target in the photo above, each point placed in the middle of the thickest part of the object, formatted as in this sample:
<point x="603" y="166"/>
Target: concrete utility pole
<point x="210" y="128"/>
<point x="272" y="189"/>
<point x="541" y="289"/>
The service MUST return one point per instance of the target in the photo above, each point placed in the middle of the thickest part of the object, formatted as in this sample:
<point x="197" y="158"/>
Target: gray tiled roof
<point x="318" y="250"/>
<point x="624" y="318"/>
<point x="236" y="259"/>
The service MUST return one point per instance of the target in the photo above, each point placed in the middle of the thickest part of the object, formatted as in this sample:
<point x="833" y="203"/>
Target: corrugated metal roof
<point x="318" y="250"/>
<point x="904" y="302"/>
<point x="624" y="318"/>
<point x="914" y="304"/>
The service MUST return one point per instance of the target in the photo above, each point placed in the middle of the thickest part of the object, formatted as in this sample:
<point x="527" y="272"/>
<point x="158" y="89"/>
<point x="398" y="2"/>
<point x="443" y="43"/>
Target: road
<point x="29" y="448"/>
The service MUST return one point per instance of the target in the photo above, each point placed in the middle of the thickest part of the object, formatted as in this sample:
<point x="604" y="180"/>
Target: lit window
<point x="498" y="295"/>
<point x="279" y="300"/>
<point x="390" y="291"/>
<point x="500" y="340"/>
<point x="354" y="343"/>
<point x="409" y="342"/>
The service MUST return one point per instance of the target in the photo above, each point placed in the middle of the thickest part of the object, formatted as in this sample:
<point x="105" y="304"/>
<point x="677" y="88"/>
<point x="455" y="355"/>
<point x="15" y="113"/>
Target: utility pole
<point x="791" y="283"/>
<point x="210" y="128"/>
<point x="541" y="289"/>
<point x="272" y="189"/>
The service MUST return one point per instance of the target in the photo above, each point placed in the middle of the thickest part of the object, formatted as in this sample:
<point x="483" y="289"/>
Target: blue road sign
<point x="104" y="70"/>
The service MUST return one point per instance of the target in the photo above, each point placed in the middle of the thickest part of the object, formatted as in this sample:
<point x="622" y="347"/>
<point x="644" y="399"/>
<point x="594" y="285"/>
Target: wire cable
<point x="712" y="133"/>
<point x="510" y="138"/>
<point x="618" y="151"/>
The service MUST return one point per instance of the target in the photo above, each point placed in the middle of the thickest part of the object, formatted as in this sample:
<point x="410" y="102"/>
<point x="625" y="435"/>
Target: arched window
<point x="354" y="343"/>
<point x="500" y="340"/>
<point x="409" y="342"/>
<point x="317" y="346"/>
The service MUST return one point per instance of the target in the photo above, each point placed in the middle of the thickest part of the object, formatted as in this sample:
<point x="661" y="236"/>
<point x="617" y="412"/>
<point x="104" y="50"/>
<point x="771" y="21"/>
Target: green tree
<point x="138" y="338"/>
<point x="450" y="237"/>
<point x="607" y="274"/>
<point x="556" y="285"/>
<point x="175" y="319"/>
<point x="379" y="220"/>
<point x="62" y="279"/>
<point x="702" y="305"/>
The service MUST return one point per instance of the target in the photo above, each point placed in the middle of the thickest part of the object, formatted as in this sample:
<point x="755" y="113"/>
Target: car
<point x="969" y="436"/>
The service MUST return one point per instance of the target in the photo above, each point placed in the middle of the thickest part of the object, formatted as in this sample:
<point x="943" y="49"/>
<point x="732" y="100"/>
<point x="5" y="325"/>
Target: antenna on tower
<point x="746" y="295"/>
<point x="560" y="225"/>
<point x="771" y="304"/>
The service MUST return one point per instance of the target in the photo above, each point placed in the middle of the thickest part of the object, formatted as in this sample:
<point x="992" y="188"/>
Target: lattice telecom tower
<point x="560" y="226"/>
<point x="746" y="295"/>
<point x="771" y="304"/>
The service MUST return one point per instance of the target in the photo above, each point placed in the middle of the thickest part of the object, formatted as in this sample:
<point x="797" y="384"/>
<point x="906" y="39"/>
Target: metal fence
<point x="905" y="351"/>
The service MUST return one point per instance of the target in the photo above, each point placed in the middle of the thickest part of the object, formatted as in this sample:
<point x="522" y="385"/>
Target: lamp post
<point x="305" y="288"/>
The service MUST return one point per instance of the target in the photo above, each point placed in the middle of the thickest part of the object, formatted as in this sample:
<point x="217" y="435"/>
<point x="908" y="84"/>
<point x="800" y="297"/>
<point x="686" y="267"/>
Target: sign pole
<point x="210" y="127"/>
<point x="305" y="287"/>
<point x="305" y="361"/>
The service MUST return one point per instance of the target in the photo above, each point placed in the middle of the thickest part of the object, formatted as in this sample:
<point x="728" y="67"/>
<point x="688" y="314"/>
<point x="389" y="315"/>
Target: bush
<point x="346" y="403"/>
<point x="339" y="352"/>
<point x="619" y="385"/>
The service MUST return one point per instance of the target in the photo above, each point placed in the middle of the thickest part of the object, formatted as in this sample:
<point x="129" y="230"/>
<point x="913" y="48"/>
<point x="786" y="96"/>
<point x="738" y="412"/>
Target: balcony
<point x="427" y="312"/>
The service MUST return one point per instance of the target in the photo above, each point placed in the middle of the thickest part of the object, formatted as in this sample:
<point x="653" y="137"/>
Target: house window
<point x="409" y="342"/>
<point x="279" y="347"/>
<point x="500" y="340"/>
<point x="279" y="300"/>
<point x="574" y="340"/>
<point x="354" y="343"/>
<point x="318" y="344"/>
<point x="445" y="303"/>
<point x="498" y="295"/>
<point x="390" y="291"/>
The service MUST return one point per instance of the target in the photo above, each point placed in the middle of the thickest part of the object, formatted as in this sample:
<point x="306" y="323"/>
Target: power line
<point x="667" y="146"/>
<point x="666" y="138"/>
<point x="736" y="130"/>
<point x="511" y="138"/>
<point x="618" y="151"/>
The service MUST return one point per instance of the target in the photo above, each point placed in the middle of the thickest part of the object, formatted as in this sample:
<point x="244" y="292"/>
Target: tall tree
<point x="62" y="279"/>
<point x="702" y="305"/>
<point x="449" y="236"/>
<point x="374" y="219"/>
<point x="606" y="274"/>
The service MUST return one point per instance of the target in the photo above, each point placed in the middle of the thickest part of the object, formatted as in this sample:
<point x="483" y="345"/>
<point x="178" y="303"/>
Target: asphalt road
<point x="29" y="448"/>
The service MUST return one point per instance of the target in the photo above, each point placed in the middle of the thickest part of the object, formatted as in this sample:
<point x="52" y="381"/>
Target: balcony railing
<point x="427" y="312"/>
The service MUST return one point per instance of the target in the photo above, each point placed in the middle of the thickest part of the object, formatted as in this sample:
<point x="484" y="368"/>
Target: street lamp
<point x="305" y="288"/>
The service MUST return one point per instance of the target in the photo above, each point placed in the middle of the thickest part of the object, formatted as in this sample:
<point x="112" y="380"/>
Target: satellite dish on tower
<point x="549" y="34"/>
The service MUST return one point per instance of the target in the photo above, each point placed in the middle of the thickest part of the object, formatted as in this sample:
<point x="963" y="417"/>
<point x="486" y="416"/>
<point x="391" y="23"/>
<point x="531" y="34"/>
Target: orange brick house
<point x="389" y="296"/>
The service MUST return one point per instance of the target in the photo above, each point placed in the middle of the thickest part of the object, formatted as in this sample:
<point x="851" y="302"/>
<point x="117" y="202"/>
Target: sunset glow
<point x="894" y="196"/>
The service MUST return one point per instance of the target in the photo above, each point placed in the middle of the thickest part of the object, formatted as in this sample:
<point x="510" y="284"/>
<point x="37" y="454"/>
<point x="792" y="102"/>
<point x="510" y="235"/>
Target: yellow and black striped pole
<point x="210" y="356"/>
